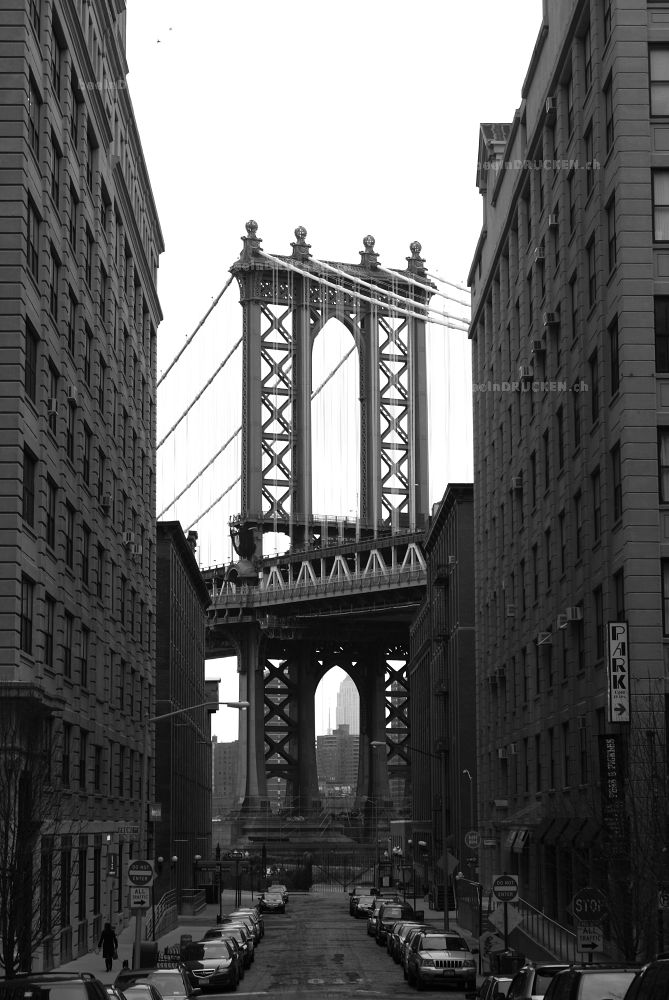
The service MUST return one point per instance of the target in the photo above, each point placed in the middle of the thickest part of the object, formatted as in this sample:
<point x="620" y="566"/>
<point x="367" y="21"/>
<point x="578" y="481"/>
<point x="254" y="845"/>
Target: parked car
<point x="379" y="901"/>
<point x="493" y="987"/>
<point x="140" y="991"/>
<point x="256" y="917"/>
<point x="389" y="914"/>
<point x="651" y="982"/>
<point x="396" y="936"/>
<point x="272" y="903"/>
<point x="55" y="985"/>
<point x="439" y="957"/>
<point x="212" y="964"/>
<point x="243" y="939"/>
<point x="277" y="889"/>
<point x="405" y="944"/>
<point x="171" y="983"/>
<point x="364" y="906"/>
<point x="533" y="980"/>
<point x="356" y="892"/>
<point x="113" y="993"/>
<point x="591" y="982"/>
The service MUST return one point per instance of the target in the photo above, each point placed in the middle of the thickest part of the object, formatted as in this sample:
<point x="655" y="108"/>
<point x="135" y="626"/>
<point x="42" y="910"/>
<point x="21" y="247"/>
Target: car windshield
<point x="542" y="981"/>
<point x="443" y="942"/>
<point x="606" y="984"/>
<point x="502" y="987"/>
<point x="205" y="949"/>
<point x="392" y="912"/>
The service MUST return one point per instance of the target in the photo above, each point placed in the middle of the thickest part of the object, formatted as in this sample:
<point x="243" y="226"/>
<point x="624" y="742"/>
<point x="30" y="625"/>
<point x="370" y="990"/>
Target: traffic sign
<point x="140" y="873"/>
<point x="589" y="905"/>
<point x="663" y="899"/>
<point x="589" y="937"/>
<point x="472" y="839"/>
<point x="505" y="888"/>
<point x="139" y="896"/>
<point x="513" y="918"/>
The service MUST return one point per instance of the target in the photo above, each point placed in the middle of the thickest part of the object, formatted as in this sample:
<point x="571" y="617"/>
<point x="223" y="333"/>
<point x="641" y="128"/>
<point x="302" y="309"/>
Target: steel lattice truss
<point x="281" y="718"/>
<point x="276" y="354"/>
<point x="394" y="416"/>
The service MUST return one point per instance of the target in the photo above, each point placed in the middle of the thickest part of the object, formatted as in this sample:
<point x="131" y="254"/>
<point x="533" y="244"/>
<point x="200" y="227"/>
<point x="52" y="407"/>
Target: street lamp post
<point x="144" y="797"/>
<point x="441" y="757"/>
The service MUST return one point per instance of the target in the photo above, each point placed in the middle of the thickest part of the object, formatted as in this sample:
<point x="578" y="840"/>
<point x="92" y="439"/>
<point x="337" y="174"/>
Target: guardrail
<point x="553" y="937"/>
<point x="165" y="914"/>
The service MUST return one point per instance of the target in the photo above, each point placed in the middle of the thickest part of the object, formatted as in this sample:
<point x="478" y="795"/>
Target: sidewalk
<point x="195" y="926"/>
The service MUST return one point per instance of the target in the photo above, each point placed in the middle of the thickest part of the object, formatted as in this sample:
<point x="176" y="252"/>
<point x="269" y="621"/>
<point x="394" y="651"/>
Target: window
<point x="82" y="883"/>
<point x="54" y="279"/>
<point x="573" y="306"/>
<point x="30" y="369"/>
<point x="596" y="487"/>
<point x="99" y="583"/>
<point x="547" y="553"/>
<point x="661" y="205"/>
<point x="616" y="482"/>
<point x="27" y="601"/>
<point x="606" y="19"/>
<point x="665" y="596"/>
<point x="76" y="110"/>
<point x="74" y="217"/>
<point x="663" y="463"/>
<point x="85" y="553"/>
<point x="566" y="760"/>
<point x="29" y="476"/>
<point x="49" y="630"/>
<point x="576" y="413"/>
<point x="614" y="355"/>
<point x="563" y="542"/>
<point x="69" y="535"/>
<point x="88" y="259"/>
<point x="56" y="65"/>
<point x="53" y="397"/>
<point x="611" y="232"/>
<point x="661" y="333"/>
<point x="33" y="240"/>
<point x="51" y="496"/>
<point x="97" y="769"/>
<point x="587" y="59"/>
<point x="535" y="574"/>
<point x="594" y="386"/>
<point x="35" y="16"/>
<point x="88" y="351"/>
<point x="68" y="631"/>
<point x="54" y="172"/>
<point x="523" y="589"/>
<point x="83" y="658"/>
<point x="34" y="116"/>
<point x="69" y="433"/>
<point x="598" y="611"/>
<point x="83" y="757"/>
<point x="530" y="301"/>
<point x="533" y="478"/>
<point x="547" y="460"/>
<point x="90" y="161"/>
<point x="67" y="751"/>
<point x="71" y="323"/>
<point x="104" y="284"/>
<point x="569" y="92"/>
<point x="592" y="273"/>
<point x="102" y="472"/>
<point x="619" y="595"/>
<point x="559" y="427"/>
<point x="589" y="157"/>
<point x="608" y="115"/>
<point x="578" y="524"/>
<point x="101" y="385"/>
<point x="571" y="200"/>
<point x="659" y="79"/>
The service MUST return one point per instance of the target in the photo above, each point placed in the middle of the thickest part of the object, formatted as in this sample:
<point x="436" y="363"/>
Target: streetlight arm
<point x="241" y="705"/>
<point x="407" y="746"/>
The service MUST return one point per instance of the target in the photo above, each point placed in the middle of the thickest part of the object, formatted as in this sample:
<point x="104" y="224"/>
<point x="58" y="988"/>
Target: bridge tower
<point x="287" y="642"/>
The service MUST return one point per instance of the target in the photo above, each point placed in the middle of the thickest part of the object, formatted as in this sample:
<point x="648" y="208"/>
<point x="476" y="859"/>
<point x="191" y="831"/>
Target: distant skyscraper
<point x="348" y="706"/>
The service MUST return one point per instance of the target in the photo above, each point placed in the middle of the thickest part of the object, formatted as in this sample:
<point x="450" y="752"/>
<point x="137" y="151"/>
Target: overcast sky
<point x="354" y="117"/>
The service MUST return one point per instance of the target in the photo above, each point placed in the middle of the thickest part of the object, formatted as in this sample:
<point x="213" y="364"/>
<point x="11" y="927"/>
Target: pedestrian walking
<point x="109" y="945"/>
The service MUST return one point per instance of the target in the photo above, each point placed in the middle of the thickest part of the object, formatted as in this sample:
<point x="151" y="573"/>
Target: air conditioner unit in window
<point x="72" y="394"/>
<point x="513" y="749"/>
<point x="136" y="550"/>
<point x="538" y="346"/>
<point x="52" y="405"/>
<point x="105" y="501"/>
<point x="516" y="482"/>
<point x="128" y="537"/>
<point x="502" y="753"/>
<point x="526" y="371"/>
<point x="550" y="318"/>
<point x="562" y="621"/>
<point x="511" y="611"/>
<point x="553" y="220"/>
<point x="544" y="639"/>
<point x="574" y="614"/>
<point x="551" y="108"/>
<point x="540" y="253"/>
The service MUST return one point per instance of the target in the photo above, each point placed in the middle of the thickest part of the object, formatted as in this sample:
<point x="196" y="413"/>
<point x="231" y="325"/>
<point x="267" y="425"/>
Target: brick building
<point x="79" y="247"/>
<point x="570" y="328"/>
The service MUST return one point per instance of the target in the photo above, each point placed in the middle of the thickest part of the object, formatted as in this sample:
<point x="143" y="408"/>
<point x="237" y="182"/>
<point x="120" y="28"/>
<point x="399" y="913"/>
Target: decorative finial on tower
<point x="301" y="248"/>
<point x="368" y="258"/>
<point x="415" y="263"/>
<point x="251" y="241"/>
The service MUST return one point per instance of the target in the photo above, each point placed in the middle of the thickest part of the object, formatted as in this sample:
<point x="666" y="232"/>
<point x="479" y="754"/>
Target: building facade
<point x="569" y="334"/>
<point x="80" y="241"/>
<point x="442" y="703"/>
<point x="224" y="797"/>
<point x="183" y="741"/>
<point x="348" y="706"/>
<point x="337" y="761"/>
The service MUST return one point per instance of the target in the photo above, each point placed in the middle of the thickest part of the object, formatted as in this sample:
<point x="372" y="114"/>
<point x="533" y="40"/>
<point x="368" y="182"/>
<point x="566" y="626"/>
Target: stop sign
<point x="505" y="888"/>
<point x="140" y="873"/>
<point x="589" y="905"/>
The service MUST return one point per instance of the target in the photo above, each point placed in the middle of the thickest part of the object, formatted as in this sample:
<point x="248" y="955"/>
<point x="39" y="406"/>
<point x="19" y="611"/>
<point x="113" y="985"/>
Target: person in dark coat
<point x="109" y="944"/>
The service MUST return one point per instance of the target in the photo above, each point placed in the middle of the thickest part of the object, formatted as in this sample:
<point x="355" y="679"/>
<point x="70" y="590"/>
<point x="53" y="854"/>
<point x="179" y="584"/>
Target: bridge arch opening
<point x="335" y="423"/>
<point x="337" y="705"/>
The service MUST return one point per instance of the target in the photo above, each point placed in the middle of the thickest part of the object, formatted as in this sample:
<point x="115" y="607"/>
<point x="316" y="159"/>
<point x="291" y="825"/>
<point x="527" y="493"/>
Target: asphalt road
<point x="317" y="950"/>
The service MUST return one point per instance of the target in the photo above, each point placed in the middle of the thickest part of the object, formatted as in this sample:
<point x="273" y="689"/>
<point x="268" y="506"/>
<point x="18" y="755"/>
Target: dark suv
<point x="388" y="915"/>
<point x="54" y="986"/>
<point x="533" y="980"/>
<point x="651" y="982"/>
<point x="592" y="982"/>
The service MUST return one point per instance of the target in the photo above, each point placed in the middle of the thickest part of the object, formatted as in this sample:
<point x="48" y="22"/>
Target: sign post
<point x="505" y="890"/>
<point x="589" y="908"/>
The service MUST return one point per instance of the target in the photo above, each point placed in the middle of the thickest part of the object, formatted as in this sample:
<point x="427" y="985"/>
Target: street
<point x="317" y="950"/>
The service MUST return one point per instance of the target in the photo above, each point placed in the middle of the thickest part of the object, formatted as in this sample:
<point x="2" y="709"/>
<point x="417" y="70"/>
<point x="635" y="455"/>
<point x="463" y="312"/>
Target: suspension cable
<point x="200" y="324"/>
<point x="213" y="503"/>
<point x="421" y="284"/>
<point x="204" y="387"/>
<point x="460" y="288"/>
<point x="202" y="470"/>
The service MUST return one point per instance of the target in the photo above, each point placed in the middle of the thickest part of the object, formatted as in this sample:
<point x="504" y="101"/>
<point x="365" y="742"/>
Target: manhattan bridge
<point x="339" y="590"/>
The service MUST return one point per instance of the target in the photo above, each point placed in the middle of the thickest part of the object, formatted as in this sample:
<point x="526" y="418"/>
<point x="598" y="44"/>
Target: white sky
<point x="354" y="117"/>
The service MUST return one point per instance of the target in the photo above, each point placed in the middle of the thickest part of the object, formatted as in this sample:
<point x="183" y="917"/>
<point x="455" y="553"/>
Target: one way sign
<point x="589" y="938"/>
<point x="618" y="672"/>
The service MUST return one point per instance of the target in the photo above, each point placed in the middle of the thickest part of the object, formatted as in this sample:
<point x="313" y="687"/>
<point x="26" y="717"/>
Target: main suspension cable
<point x="421" y="284"/>
<point x="197" y="328"/>
<point x="202" y="470"/>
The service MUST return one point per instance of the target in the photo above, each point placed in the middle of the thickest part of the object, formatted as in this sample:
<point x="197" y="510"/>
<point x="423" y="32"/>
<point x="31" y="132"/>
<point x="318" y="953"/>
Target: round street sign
<point x="505" y="888"/>
<point x="589" y="905"/>
<point x="140" y="873"/>
<point x="472" y="839"/>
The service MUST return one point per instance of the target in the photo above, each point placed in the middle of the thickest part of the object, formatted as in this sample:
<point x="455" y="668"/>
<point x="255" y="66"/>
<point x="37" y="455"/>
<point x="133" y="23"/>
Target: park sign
<point x="618" y="671"/>
<point x="140" y="873"/>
